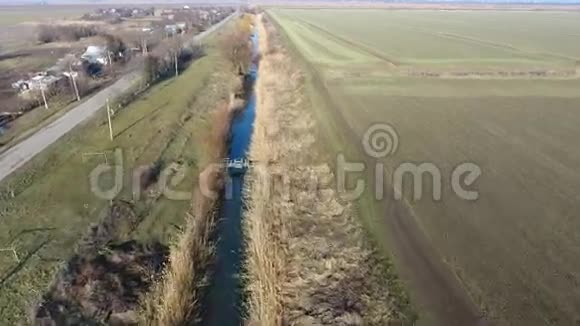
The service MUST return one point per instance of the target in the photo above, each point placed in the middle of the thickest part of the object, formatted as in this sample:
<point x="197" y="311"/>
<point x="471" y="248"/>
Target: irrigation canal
<point x="223" y="306"/>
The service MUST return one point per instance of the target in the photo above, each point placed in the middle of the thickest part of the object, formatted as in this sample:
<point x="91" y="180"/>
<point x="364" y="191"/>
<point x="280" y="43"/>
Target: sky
<point x="128" y="2"/>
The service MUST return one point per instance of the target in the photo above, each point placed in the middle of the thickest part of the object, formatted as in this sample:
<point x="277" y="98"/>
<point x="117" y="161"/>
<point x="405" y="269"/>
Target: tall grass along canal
<point x="223" y="305"/>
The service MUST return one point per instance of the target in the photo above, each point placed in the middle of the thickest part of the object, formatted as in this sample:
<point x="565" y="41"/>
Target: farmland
<point x="495" y="88"/>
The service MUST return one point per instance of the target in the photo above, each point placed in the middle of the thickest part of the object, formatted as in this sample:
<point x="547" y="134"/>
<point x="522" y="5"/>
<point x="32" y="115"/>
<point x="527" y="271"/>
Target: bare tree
<point x="176" y="46"/>
<point x="116" y="48"/>
<point x="170" y="57"/>
<point x="236" y="48"/>
<point x="151" y="67"/>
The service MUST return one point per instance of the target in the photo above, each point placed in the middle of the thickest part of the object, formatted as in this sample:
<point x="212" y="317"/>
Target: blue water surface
<point x="223" y="306"/>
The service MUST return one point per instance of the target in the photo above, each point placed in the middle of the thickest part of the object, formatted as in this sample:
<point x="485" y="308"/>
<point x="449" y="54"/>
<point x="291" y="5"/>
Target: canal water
<point x="224" y="300"/>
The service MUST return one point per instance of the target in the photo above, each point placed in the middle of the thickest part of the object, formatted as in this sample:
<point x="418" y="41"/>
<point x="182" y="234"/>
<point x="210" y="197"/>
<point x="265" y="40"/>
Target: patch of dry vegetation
<point x="307" y="261"/>
<point x="103" y="286"/>
<point x="176" y="299"/>
<point x="70" y="33"/>
<point x="104" y="280"/>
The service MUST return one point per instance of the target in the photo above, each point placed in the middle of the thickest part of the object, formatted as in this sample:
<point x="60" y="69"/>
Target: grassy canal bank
<point x="47" y="206"/>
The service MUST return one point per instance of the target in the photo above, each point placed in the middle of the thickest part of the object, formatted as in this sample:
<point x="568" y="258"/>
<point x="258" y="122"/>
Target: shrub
<point x="161" y="63"/>
<point x="74" y="32"/>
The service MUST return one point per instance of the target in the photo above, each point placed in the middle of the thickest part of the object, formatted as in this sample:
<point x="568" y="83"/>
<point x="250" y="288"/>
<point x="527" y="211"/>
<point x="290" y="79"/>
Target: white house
<point x="95" y="54"/>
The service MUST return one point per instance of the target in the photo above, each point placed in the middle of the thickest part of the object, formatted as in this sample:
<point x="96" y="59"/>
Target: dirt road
<point x="24" y="151"/>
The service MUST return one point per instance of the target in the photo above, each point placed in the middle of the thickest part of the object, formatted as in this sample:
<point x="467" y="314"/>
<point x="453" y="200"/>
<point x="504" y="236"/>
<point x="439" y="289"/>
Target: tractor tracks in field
<point x="439" y="295"/>
<point x="508" y="47"/>
<point x="357" y="46"/>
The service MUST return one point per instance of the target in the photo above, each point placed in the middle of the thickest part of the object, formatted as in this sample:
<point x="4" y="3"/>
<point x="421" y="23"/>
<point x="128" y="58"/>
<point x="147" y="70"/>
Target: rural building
<point x="171" y="29"/>
<point x="166" y="12"/>
<point x="181" y="27"/>
<point x="40" y="81"/>
<point x="95" y="55"/>
<point x="123" y="12"/>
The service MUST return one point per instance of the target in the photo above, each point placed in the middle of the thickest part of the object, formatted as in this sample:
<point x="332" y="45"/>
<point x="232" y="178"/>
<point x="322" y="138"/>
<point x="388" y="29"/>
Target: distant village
<point x="152" y="24"/>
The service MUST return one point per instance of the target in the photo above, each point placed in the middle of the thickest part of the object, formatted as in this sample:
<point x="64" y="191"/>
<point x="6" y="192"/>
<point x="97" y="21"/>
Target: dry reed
<point x="307" y="260"/>
<point x="176" y="299"/>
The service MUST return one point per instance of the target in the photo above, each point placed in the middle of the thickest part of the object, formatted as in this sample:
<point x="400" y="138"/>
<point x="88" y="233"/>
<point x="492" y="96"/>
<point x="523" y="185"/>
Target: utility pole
<point x="176" y="67"/>
<point x="144" y="46"/>
<point x="72" y="78"/>
<point x="110" y="62"/>
<point x="43" y="97"/>
<point x="109" y="118"/>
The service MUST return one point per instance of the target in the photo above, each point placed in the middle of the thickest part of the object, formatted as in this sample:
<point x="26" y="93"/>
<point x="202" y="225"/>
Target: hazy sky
<point x="121" y="2"/>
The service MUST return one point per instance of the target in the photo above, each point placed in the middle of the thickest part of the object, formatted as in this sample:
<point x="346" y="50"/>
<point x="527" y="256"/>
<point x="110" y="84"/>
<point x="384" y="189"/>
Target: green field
<point x="462" y="39"/>
<point x="497" y="88"/>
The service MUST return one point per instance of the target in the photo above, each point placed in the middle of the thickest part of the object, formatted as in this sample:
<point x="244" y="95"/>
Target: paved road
<point x="24" y="151"/>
